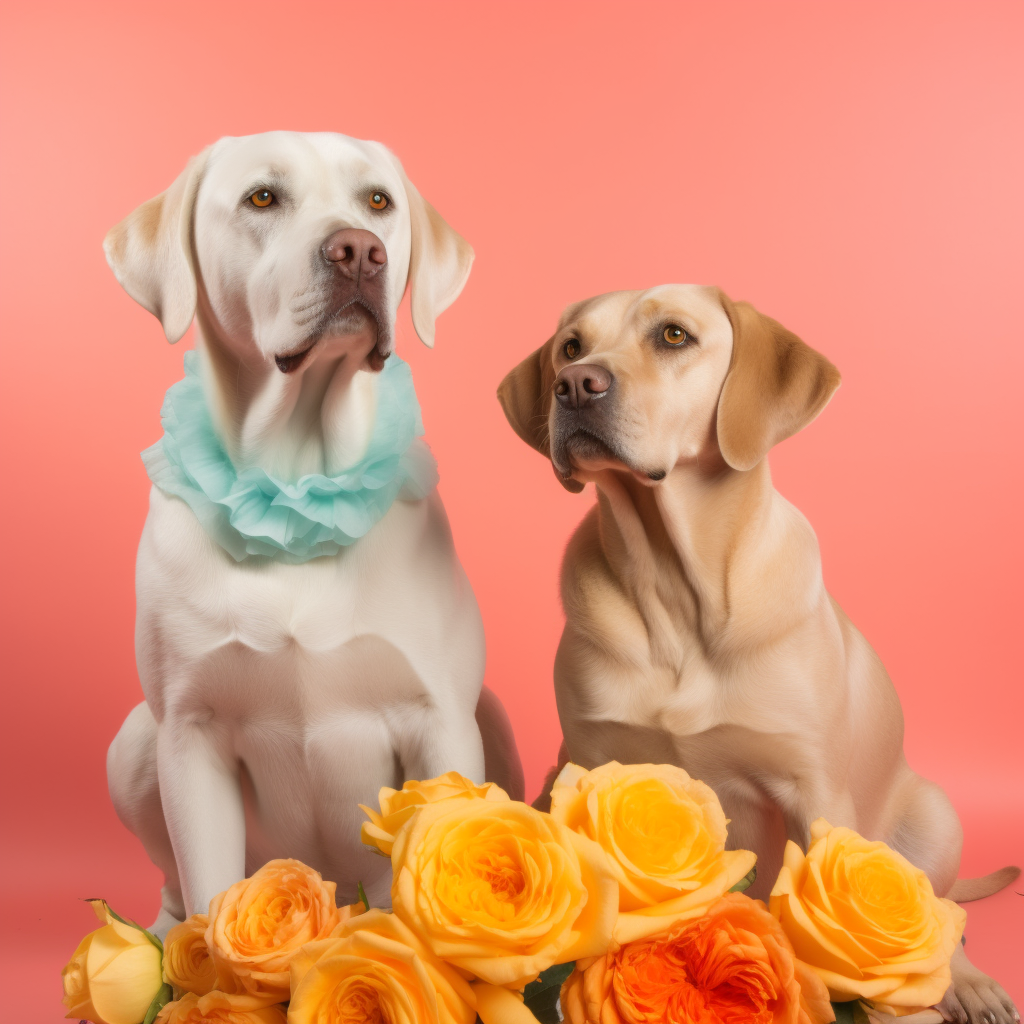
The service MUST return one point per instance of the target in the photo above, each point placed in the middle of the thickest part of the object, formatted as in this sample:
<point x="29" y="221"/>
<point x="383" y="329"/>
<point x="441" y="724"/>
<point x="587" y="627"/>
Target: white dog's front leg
<point x="202" y="801"/>
<point x="442" y="741"/>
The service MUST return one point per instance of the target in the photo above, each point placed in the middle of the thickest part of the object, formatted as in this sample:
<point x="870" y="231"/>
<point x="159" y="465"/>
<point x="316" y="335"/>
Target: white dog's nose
<point x="356" y="253"/>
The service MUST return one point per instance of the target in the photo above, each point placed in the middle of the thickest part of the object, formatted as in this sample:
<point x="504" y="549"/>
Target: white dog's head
<point x="287" y="239"/>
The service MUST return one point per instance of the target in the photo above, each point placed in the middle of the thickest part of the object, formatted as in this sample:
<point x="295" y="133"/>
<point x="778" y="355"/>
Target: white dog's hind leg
<point x="501" y="755"/>
<point x="135" y="792"/>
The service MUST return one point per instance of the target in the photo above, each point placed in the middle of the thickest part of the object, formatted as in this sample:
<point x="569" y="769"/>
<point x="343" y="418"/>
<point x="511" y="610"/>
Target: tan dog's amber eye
<point x="379" y="201"/>
<point x="676" y="335"/>
<point x="571" y="348"/>
<point x="261" y="198"/>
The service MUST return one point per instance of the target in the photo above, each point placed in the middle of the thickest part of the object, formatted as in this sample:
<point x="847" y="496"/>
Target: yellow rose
<point x="114" y="974"/>
<point x="501" y="890"/>
<point x="866" y="920"/>
<point x="373" y="969"/>
<point x="398" y="805"/>
<point x="220" y="1008"/>
<point x="188" y="965"/>
<point x="259" y="924"/>
<point x="664" y="834"/>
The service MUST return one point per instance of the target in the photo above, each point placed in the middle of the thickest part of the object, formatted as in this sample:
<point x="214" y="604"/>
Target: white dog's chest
<point x="320" y="681"/>
<point x="258" y="645"/>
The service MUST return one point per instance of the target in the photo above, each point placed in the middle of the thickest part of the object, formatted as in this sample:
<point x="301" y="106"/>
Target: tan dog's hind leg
<point x="927" y="832"/>
<point x="924" y="827"/>
<point x="135" y="793"/>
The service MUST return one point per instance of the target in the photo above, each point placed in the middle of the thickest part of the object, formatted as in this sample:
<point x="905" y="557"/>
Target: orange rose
<point x="219" y="1008"/>
<point x="259" y="924"/>
<point x="188" y="965"/>
<point x="734" y="965"/>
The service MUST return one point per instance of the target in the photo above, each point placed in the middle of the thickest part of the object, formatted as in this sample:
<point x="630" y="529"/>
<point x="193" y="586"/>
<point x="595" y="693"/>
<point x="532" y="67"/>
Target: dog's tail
<point x="966" y="889"/>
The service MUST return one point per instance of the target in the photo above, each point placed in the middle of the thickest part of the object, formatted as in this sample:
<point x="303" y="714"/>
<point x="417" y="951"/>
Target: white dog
<point x="293" y="663"/>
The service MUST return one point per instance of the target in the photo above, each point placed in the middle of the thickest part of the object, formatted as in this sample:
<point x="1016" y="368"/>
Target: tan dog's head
<point x="291" y="242"/>
<point x="647" y="381"/>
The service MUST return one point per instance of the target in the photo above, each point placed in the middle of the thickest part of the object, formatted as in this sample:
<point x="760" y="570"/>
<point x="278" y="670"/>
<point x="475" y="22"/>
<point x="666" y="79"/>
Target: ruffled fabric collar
<point x="252" y="513"/>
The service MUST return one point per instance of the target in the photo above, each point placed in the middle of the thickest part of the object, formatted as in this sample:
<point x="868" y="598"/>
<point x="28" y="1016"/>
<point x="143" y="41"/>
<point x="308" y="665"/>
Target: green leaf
<point x="162" y="998"/>
<point x="152" y="938"/>
<point x="541" y="996"/>
<point x="131" y="924"/>
<point x="850" y="1013"/>
<point x="745" y="882"/>
<point x="362" y="895"/>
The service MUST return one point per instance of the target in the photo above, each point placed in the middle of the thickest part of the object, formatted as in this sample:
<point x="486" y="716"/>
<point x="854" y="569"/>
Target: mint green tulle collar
<point x="252" y="513"/>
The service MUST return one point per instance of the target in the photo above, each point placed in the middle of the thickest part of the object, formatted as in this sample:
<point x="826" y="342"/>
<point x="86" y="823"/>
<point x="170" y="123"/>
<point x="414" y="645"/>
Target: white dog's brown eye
<point x="379" y="201"/>
<point x="571" y="348"/>
<point x="261" y="197"/>
<point x="676" y="335"/>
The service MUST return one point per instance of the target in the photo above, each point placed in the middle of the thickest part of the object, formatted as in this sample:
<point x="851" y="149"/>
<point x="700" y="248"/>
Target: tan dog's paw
<point x="974" y="998"/>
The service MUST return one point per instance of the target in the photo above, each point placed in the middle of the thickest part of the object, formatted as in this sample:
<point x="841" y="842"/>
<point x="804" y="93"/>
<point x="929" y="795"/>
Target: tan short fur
<point x="698" y="628"/>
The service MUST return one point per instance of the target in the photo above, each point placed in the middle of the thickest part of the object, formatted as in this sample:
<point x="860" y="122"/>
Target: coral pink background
<point x="853" y="169"/>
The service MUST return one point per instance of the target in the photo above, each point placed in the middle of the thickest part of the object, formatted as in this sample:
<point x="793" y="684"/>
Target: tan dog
<point x="698" y="628"/>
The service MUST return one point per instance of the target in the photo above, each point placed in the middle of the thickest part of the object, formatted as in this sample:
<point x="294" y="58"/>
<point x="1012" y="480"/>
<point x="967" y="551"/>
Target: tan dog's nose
<point x="356" y="253"/>
<point x="580" y="384"/>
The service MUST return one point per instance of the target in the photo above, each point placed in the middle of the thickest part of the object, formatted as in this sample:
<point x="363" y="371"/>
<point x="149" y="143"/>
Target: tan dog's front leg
<point x="202" y="801"/>
<point x="973" y="997"/>
<point x="802" y="803"/>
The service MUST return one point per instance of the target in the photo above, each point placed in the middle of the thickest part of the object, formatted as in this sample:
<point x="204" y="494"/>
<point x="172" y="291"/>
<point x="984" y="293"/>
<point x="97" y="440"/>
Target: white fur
<point x="278" y="696"/>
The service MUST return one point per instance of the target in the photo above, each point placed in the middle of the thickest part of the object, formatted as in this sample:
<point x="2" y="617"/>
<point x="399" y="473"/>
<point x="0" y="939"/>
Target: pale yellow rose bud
<point x="664" y="834"/>
<point x="114" y="974"/>
<point x="398" y="805"/>
<point x="867" y="921"/>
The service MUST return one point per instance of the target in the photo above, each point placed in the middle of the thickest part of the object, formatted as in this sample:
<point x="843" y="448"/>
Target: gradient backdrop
<point x="854" y="170"/>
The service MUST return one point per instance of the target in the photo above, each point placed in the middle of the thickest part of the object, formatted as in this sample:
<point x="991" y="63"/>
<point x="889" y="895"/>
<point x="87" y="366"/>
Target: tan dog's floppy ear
<point x="439" y="263"/>
<point x="775" y="386"/>
<point x="525" y="397"/>
<point x="150" y="252"/>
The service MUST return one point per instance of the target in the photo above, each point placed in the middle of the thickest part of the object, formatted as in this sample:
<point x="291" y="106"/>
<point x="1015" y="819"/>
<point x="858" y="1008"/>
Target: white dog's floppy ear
<point x="150" y="252"/>
<point x="775" y="386"/>
<point x="438" y="265"/>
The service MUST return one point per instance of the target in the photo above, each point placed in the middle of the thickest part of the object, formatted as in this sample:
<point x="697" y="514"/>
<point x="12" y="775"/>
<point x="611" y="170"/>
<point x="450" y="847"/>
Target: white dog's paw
<point x="974" y="998"/>
<point x="164" y="922"/>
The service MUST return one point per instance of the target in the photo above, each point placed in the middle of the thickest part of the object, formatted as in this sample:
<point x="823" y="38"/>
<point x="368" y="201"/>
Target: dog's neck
<point x="317" y="419"/>
<point x="692" y="548"/>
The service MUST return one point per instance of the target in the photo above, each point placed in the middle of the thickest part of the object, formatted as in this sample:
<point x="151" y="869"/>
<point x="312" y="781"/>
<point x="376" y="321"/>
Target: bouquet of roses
<point x="620" y="906"/>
